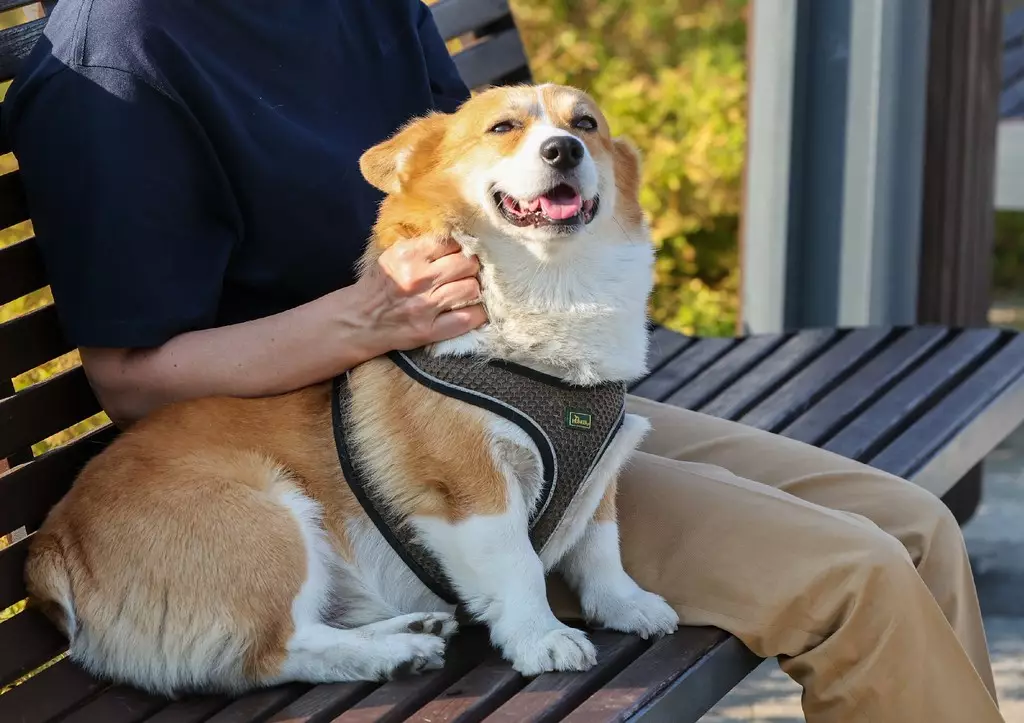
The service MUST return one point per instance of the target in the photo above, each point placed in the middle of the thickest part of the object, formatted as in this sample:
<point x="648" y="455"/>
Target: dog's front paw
<point x="639" y="612"/>
<point x="562" y="648"/>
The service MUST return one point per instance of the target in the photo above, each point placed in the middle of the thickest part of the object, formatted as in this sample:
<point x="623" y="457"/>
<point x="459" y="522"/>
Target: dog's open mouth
<point x="561" y="206"/>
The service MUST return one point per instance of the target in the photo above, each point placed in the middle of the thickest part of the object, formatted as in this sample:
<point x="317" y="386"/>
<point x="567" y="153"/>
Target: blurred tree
<point x="671" y="76"/>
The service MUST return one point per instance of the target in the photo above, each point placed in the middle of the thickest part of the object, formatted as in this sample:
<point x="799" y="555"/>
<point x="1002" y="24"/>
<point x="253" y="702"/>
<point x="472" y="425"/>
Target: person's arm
<point x="412" y="297"/>
<point x="136" y="223"/>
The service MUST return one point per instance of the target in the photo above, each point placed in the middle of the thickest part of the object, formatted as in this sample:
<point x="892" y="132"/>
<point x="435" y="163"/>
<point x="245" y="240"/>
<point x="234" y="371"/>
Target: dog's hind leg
<point x="319" y="653"/>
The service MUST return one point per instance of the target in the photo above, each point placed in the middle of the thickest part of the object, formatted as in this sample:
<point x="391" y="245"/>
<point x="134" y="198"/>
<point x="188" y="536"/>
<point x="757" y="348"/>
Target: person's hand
<point x="422" y="291"/>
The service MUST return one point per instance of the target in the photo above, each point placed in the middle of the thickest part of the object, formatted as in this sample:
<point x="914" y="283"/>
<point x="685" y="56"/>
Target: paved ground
<point x="995" y="539"/>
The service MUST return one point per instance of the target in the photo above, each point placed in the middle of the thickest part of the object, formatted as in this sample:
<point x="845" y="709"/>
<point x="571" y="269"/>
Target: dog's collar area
<point x="570" y="425"/>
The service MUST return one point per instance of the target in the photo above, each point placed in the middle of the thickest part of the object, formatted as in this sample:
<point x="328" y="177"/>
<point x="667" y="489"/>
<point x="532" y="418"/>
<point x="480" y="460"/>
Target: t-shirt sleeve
<point x="132" y="212"/>
<point x="445" y="82"/>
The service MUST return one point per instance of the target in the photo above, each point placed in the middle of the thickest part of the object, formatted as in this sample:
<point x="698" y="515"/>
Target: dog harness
<point x="572" y="427"/>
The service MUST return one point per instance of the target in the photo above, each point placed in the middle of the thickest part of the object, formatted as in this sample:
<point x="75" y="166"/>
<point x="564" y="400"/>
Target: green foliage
<point x="671" y="76"/>
<point x="1008" y="272"/>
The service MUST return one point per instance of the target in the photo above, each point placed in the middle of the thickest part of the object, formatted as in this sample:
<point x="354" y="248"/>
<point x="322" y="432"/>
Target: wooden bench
<point x="925" y="402"/>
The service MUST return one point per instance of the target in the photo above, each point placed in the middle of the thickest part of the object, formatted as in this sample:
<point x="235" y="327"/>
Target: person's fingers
<point x="455" y="323"/>
<point x="453" y="268"/>
<point x="433" y="249"/>
<point x="455" y="294"/>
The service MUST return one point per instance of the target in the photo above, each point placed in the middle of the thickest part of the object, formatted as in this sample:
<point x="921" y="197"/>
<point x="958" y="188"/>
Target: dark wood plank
<point x="870" y="381"/>
<point x="647" y="677"/>
<point x="397" y="699"/>
<point x="30" y="491"/>
<point x="12" y="567"/>
<point x="31" y="340"/>
<point x="323" y="703"/>
<point x="820" y="376"/>
<point x="458" y="17"/>
<point x="662" y="345"/>
<point x="11" y="4"/>
<point x="190" y="710"/>
<point x="21" y="270"/>
<point x="775" y="369"/>
<point x="733" y="364"/>
<point x="683" y="367"/>
<point x="490" y="60"/>
<point x="551" y="696"/>
<point x="947" y="419"/>
<point x="54" y="691"/>
<point x="476" y="695"/>
<point x="259" y="705"/>
<point x="27" y="640"/>
<point x="35" y="413"/>
<point x="1013" y="27"/>
<point x="16" y="43"/>
<point x="13" y="206"/>
<point x="117" y="704"/>
<point x="1013" y="64"/>
<point x="864" y="435"/>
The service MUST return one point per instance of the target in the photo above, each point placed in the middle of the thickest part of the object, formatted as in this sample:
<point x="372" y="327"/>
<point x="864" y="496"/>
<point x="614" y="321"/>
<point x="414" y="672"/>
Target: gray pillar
<point x="834" y="170"/>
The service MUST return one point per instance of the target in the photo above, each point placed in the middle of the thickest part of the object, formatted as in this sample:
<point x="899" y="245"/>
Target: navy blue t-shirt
<point x="194" y="163"/>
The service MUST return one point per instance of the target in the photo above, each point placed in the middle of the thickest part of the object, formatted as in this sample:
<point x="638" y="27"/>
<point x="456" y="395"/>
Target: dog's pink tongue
<point x="561" y="203"/>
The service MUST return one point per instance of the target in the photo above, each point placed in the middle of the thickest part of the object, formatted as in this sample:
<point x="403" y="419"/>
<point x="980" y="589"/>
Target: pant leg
<point x="911" y="514"/>
<point x="838" y="600"/>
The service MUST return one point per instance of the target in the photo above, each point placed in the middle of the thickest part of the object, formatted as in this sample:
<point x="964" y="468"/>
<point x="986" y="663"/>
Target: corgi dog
<point x="217" y="546"/>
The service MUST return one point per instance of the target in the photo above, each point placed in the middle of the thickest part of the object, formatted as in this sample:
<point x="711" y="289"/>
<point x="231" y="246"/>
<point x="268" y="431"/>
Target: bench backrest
<point x="487" y="51"/>
<point x="1011" y="100"/>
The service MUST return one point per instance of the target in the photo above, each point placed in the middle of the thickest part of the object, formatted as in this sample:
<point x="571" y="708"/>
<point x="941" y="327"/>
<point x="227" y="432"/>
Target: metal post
<point x="834" y="171"/>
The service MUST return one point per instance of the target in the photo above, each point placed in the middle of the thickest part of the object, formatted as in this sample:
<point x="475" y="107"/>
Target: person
<point x="191" y="169"/>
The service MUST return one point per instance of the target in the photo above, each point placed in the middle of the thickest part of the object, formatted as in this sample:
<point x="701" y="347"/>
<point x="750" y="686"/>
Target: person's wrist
<point x="355" y="315"/>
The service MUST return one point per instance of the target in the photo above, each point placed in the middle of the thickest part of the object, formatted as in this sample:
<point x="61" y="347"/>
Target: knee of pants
<point x="928" y="529"/>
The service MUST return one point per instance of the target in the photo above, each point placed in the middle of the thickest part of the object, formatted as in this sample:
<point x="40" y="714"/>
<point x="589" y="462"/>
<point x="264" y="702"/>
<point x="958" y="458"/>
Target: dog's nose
<point x="562" y="152"/>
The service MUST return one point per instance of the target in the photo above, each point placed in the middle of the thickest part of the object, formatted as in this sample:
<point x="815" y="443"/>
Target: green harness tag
<point x="576" y="419"/>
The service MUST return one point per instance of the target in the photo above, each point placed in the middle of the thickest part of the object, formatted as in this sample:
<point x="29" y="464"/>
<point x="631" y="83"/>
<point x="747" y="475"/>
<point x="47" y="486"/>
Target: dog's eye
<point x="585" y="123"/>
<point x="503" y="127"/>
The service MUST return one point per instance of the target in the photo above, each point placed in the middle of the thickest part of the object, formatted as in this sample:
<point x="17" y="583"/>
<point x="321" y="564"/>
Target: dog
<point x="218" y="546"/>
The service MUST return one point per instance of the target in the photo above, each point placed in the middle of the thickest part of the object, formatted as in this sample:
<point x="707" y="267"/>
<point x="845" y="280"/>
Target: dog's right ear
<point x="388" y="164"/>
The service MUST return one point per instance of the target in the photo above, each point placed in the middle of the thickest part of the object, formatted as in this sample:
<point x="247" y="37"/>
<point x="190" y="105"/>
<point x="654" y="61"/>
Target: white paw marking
<point x="639" y="613"/>
<point x="564" y="649"/>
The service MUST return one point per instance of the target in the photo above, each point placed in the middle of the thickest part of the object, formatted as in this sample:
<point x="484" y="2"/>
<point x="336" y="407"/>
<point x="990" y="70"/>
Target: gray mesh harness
<point x="572" y="427"/>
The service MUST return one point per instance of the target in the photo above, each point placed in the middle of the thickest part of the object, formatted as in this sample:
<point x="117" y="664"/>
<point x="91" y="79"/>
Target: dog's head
<point x="531" y="163"/>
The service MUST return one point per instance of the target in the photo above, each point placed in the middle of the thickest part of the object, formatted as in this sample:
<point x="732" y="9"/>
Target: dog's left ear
<point x="627" y="167"/>
<point x="388" y="164"/>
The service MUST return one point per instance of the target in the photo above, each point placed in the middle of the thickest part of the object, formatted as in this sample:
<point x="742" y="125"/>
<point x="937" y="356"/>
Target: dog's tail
<point x="49" y="582"/>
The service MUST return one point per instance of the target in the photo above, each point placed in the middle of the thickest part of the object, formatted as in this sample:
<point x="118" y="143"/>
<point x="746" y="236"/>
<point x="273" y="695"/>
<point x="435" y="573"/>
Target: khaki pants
<point x="857" y="581"/>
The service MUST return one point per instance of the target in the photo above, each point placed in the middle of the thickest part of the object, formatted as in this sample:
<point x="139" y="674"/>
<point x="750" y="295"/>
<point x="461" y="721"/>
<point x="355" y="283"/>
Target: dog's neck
<point x="573" y="309"/>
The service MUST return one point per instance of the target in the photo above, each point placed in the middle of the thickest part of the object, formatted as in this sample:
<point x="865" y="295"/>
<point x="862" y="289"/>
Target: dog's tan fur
<point x="174" y="532"/>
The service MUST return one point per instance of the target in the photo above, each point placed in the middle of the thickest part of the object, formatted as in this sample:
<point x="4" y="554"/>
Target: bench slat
<point x="54" y="691"/>
<point x="893" y="412"/>
<point x="817" y="378"/>
<point x="733" y="364"/>
<point x="21" y="270"/>
<point x="30" y="340"/>
<point x="117" y="704"/>
<point x="13" y="204"/>
<point x="27" y="640"/>
<point x="864" y="386"/>
<point x="662" y="345"/>
<point x="932" y="432"/>
<point x="12" y="4"/>
<point x="647" y="677"/>
<point x="774" y="370"/>
<point x="549" y="697"/>
<point x="458" y="17"/>
<point x="476" y="695"/>
<point x="396" y="699"/>
<point x="323" y="703"/>
<point x="190" y="710"/>
<point x="491" y="60"/>
<point x="12" y="579"/>
<point x="17" y="42"/>
<point x="258" y="705"/>
<point x="35" y="413"/>
<point x="683" y="367"/>
<point x="30" y="491"/>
